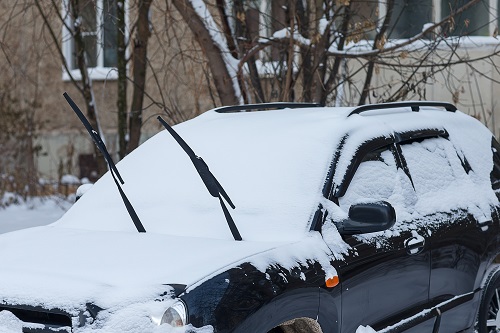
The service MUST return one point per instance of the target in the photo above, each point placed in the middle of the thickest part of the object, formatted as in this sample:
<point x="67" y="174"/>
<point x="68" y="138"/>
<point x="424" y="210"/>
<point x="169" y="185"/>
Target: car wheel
<point x="300" y="325"/>
<point x="488" y="319"/>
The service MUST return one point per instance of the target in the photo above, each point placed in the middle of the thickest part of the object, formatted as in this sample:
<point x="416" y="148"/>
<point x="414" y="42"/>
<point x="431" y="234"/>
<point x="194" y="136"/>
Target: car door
<point x="385" y="276"/>
<point x="457" y="229"/>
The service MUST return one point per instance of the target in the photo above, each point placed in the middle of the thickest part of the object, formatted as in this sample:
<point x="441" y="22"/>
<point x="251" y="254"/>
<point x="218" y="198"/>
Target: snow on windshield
<point x="271" y="164"/>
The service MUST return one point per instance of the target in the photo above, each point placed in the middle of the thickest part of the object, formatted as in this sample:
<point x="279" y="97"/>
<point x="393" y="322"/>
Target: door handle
<point x="415" y="244"/>
<point x="484" y="225"/>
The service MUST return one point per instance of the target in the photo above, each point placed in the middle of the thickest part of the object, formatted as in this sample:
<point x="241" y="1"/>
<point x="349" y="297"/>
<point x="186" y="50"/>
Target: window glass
<point x="99" y="33"/>
<point x="408" y="17"/>
<point x="88" y="13"/>
<point x="365" y="16"/>
<point x="434" y="165"/>
<point x="473" y="21"/>
<point x="90" y="42"/>
<point x="378" y="179"/>
<point x="89" y="30"/>
<point x="110" y="33"/>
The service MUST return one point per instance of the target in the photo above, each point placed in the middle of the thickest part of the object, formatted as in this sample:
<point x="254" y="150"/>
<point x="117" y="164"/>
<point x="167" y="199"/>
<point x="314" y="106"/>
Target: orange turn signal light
<point x="332" y="282"/>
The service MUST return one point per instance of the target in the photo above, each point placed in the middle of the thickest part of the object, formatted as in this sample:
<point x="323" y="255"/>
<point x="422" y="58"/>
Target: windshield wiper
<point x="112" y="167"/>
<point x="213" y="186"/>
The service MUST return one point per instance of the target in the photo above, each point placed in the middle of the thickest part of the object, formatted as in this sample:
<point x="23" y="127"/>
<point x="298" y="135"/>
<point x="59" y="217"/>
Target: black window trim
<point x="428" y="134"/>
<point x="365" y="148"/>
<point x="333" y="191"/>
<point x="395" y="140"/>
<point x="495" y="150"/>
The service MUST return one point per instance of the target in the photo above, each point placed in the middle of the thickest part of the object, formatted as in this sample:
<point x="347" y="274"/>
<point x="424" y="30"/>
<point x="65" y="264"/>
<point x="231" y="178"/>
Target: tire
<point x="488" y="318"/>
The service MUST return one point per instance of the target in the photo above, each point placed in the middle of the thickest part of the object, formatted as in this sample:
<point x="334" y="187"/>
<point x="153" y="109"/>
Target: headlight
<point x="176" y="315"/>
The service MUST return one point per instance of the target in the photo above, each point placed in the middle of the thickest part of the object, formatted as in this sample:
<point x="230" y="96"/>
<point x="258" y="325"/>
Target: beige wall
<point x="474" y="87"/>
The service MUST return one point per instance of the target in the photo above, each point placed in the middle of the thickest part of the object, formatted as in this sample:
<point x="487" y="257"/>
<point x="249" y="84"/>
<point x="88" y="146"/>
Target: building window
<point x="474" y="21"/>
<point x="408" y="17"/>
<point x="496" y="25"/>
<point x="99" y="32"/>
<point x="364" y="20"/>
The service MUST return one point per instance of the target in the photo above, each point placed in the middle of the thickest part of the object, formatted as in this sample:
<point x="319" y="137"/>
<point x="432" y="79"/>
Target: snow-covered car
<point x="382" y="215"/>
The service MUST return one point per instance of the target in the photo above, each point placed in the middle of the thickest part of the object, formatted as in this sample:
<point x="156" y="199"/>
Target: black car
<point x="381" y="218"/>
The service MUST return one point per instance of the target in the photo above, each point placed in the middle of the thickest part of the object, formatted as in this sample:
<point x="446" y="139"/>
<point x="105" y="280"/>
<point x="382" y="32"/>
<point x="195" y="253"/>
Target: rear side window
<point x="433" y="164"/>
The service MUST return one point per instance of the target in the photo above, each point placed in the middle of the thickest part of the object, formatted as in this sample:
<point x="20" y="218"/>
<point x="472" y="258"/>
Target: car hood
<point x="64" y="268"/>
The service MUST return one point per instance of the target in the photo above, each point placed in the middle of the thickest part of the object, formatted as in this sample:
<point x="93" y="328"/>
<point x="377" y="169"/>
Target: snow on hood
<point x="67" y="268"/>
<point x="126" y="274"/>
<point x="272" y="166"/>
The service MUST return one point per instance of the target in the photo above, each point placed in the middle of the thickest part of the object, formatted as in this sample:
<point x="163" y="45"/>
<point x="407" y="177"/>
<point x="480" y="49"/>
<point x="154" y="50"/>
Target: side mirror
<point x="368" y="217"/>
<point x="81" y="190"/>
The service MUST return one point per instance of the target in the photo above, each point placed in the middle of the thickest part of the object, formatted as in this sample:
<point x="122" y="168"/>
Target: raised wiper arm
<point x="112" y="167"/>
<point x="213" y="186"/>
<point x="95" y="136"/>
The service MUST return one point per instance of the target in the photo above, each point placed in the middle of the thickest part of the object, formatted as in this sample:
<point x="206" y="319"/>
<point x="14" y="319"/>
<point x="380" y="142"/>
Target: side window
<point x="434" y="166"/>
<point x="495" y="172"/>
<point x="378" y="178"/>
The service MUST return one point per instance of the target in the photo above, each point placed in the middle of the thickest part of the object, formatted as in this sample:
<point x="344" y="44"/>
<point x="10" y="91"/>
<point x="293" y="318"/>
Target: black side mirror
<point x="81" y="190"/>
<point x="368" y="217"/>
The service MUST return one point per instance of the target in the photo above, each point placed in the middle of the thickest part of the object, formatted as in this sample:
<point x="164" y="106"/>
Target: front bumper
<point x="36" y="319"/>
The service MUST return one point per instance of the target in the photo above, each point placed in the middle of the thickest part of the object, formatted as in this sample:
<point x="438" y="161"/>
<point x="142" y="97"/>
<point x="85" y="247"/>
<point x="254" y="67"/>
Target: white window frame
<point x="265" y="27"/>
<point x="95" y="73"/>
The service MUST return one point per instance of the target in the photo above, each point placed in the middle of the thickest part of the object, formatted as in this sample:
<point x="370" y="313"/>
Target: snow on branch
<point x="365" y="49"/>
<point x="220" y="41"/>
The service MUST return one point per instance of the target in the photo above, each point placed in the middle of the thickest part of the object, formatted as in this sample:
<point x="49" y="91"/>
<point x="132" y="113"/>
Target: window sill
<point x="95" y="74"/>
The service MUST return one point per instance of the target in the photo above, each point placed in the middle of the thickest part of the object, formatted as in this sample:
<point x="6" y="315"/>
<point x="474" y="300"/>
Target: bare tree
<point x="328" y="52"/>
<point x="181" y="57"/>
<point x="214" y="44"/>
<point x="121" y="101"/>
<point x="49" y="11"/>
<point x="20" y="100"/>
<point x="139" y="67"/>
<point x="128" y="123"/>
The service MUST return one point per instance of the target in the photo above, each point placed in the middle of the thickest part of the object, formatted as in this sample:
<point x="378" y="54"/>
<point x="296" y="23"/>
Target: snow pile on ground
<point x="31" y="212"/>
<point x="70" y="180"/>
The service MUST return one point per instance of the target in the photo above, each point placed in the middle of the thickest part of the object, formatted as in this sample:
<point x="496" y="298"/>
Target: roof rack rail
<point x="265" y="106"/>
<point x="415" y="106"/>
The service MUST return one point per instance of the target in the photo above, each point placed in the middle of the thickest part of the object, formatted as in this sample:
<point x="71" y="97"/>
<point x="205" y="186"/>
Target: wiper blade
<point x="112" y="167"/>
<point x="213" y="186"/>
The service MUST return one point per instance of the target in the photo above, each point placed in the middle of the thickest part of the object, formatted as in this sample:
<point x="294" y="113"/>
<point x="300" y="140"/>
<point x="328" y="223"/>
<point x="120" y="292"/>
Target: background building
<point x="204" y="54"/>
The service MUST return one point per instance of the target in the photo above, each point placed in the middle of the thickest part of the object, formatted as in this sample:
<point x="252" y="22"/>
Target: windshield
<point x="273" y="165"/>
